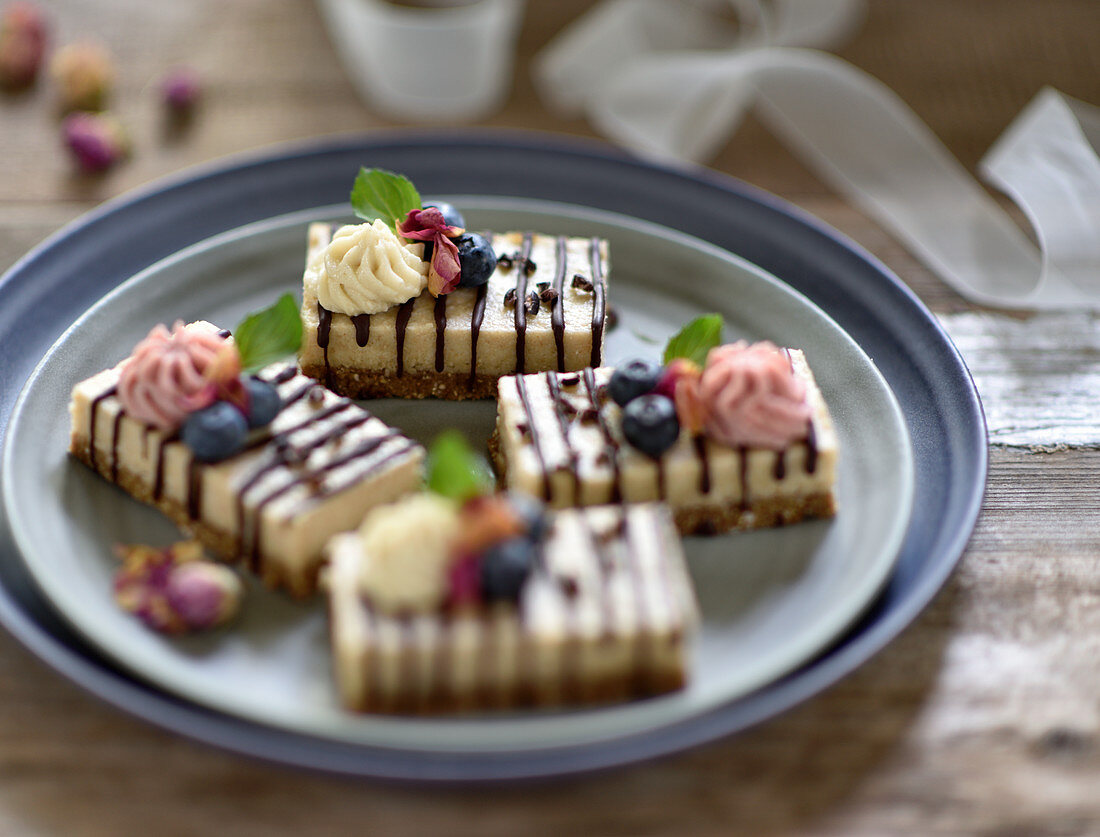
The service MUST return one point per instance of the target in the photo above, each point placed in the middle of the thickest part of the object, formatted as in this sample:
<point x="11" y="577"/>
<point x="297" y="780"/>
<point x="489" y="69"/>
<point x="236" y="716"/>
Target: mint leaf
<point x="270" y="334"/>
<point x="382" y="194"/>
<point x="696" y="339"/>
<point x="454" y="470"/>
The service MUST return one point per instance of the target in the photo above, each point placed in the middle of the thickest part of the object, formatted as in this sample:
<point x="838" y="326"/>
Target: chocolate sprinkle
<point x="529" y="266"/>
<point x="531" y="304"/>
<point x="570" y="380"/>
<point x="542" y="286"/>
<point x="582" y="282"/>
<point x="510" y="298"/>
<point x="316" y="397"/>
<point x="548" y="295"/>
<point x="504" y="261"/>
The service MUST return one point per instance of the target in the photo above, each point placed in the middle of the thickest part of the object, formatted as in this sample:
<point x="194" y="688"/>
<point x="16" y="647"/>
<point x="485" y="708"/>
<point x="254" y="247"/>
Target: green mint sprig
<point x="378" y="193"/>
<point x="270" y="334"/>
<point x="454" y="470"/>
<point x="695" y="340"/>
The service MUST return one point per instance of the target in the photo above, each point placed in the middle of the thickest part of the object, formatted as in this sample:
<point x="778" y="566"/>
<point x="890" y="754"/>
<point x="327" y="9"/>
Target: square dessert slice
<point x="607" y="613"/>
<point x="314" y="470"/>
<point x="560" y="438"/>
<point x="544" y="307"/>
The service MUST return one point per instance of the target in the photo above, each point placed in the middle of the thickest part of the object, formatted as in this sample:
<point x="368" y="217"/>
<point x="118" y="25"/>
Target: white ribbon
<point x="671" y="79"/>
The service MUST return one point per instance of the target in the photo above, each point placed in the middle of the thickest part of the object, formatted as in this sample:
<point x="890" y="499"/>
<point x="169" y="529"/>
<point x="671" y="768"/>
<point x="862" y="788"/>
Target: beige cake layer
<point x="560" y="439"/>
<point x="437" y="355"/>
<point x="608" y="615"/>
<point x="314" y="471"/>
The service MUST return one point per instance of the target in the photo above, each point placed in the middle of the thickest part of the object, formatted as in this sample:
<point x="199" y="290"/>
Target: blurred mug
<point x="427" y="60"/>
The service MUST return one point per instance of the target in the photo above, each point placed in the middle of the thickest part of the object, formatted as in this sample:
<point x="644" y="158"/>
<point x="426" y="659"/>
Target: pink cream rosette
<point x="751" y="396"/>
<point x="174" y="373"/>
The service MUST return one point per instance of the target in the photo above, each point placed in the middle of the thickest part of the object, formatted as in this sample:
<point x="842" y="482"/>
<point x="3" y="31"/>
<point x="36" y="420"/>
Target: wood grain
<point x="981" y="719"/>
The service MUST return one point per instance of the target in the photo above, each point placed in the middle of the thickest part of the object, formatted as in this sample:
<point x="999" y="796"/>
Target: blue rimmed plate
<point x="936" y="399"/>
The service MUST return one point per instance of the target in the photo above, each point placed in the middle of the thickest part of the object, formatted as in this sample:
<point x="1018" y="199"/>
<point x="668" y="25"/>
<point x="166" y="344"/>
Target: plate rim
<point x="832" y="624"/>
<point x="263" y="743"/>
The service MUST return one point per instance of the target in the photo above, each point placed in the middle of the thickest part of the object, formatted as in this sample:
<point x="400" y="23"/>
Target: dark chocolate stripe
<point x="158" y="477"/>
<point x="400" y="324"/>
<point x="520" y="309"/>
<point x="475" y="329"/>
<point x="440" y="329"/>
<point x="115" y="430"/>
<point x="637" y="584"/>
<point x="282" y="376"/>
<point x="554" y="386"/>
<point x="599" y="302"/>
<point x="557" y="305"/>
<point x="324" y="327"/>
<point x="194" y="488"/>
<point x="609" y="439"/>
<point x="779" y="471"/>
<point x="94" y="408"/>
<point x="704" y="463"/>
<point x="362" y="329"/>
<point x="811" y="448"/>
<point x="525" y="402"/>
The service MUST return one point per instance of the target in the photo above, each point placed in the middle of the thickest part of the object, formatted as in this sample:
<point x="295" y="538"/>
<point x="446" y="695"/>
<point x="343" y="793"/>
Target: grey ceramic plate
<point x="771" y="600"/>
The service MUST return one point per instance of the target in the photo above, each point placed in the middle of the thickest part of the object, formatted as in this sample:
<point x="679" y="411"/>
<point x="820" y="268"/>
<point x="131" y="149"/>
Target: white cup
<point x="447" y="63"/>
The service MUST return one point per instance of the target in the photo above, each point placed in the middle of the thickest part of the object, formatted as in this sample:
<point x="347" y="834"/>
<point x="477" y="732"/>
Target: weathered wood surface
<point x="981" y="719"/>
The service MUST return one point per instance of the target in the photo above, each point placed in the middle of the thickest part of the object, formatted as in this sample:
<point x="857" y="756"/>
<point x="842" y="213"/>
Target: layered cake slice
<point x="495" y="606"/>
<point x="543" y="306"/>
<point x="745" y="441"/>
<point x="411" y="305"/>
<point x="262" y="469"/>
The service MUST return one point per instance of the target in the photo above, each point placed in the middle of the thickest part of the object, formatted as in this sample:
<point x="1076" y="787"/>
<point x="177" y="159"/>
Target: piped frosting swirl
<point x="367" y="269"/>
<point x="752" y="397"/>
<point x="170" y="373"/>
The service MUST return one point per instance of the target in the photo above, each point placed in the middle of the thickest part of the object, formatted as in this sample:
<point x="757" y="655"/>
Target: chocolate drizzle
<point x="609" y="439"/>
<point x="704" y="463"/>
<point x="599" y="302"/>
<point x="476" y="317"/>
<point x="811" y="448"/>
<point x="780" y="469"/>
<point x="324" y="327"/>
<point x="520" y="310"/>
<point x="400" y="324"/>
<point x="107" y="393"/>
<point x="115" y="429"/>
<point x="557" y="303"/>
<point x="362" y="329"/>
<point x="440" y="329"/>
<point x="560" y="412"/>
<point x="525" y="402"/>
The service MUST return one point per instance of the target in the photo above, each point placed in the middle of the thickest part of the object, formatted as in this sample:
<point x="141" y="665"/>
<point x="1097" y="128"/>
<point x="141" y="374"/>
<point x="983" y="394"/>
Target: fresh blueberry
<point x="504" y="568"/>
<point x="650" y="424"/>
<point x="532" y="512"/>
<point x="633" y="379"/>
<point x="477" y="258"/>
<point x="215" y="433"/>
<point x="451" y="215"/>
<point x="264" y="400"/>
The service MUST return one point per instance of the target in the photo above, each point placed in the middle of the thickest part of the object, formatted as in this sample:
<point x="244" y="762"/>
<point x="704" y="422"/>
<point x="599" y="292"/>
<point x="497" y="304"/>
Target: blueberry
<point x="505" y="567"/>
<point x="650" y="424"/>
<point x="265" y="402"/>
<point x="532" y="512"/>
<point x="451" y="215"/>
<point x="477" y="258"/>
<point x="633" y="379"/>
<point x="215" y="433"/>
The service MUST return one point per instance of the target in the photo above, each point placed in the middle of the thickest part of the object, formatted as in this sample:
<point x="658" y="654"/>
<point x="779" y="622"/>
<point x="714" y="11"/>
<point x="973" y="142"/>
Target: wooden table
<point x="981" y="719"/>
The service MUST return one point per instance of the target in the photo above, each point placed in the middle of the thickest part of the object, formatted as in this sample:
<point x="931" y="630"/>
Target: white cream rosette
<point x="367" y="269"/>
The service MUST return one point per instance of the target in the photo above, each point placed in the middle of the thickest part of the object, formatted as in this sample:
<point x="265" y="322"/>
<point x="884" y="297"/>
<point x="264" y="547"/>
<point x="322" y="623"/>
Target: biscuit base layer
<point x="713" y="519"/>
<point x="223" y="544"/>
<point x="358" y="383"/>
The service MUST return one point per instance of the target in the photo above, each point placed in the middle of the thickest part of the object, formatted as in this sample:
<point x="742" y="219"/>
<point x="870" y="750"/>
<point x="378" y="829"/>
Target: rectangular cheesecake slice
<point x="314" y="471"/>
<point x="456" y="346"/>
<point x="559" y="438"/>
<point x="608" y="614"/>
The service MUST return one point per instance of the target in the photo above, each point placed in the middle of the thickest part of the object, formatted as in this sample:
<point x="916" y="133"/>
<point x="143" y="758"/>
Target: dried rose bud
<point x="203" y="594"/>
<point x="84" y="76"/>
<point x="181" y="90"/>
<point x="97" y="141"/>
<point x="22" y="45"/>
<point x="174" y="590"/>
